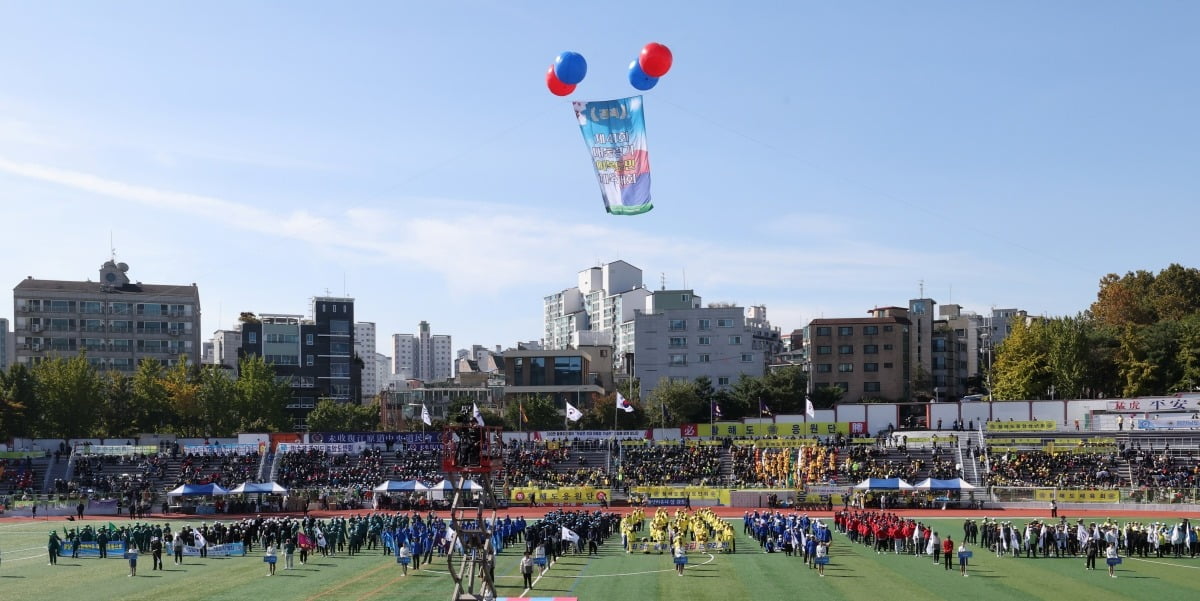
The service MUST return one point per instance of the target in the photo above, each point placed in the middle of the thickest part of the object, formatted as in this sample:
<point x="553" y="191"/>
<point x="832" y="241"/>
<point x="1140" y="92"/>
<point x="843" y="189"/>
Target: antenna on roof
<point x="112" y="249"/>
<point x="662" y="281"/>
<point x="921" y="283"/>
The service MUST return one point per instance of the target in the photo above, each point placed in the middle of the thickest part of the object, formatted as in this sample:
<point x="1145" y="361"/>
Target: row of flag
<point x="574" y="414"/>
<point x="765" y="410"/>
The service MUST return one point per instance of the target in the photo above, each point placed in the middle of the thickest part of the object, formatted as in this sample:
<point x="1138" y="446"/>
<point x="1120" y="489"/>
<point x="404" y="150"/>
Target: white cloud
<point x="480" y="248"/>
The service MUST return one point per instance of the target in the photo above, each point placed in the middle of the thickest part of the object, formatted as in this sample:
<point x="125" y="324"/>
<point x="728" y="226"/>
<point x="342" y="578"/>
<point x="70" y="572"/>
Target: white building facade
<point x="424" y="356"/>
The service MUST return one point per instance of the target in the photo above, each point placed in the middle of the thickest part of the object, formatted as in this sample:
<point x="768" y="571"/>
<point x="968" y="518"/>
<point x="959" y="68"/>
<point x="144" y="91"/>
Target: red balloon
<point x="655" y="59"/>
<point x="557" y="87"/>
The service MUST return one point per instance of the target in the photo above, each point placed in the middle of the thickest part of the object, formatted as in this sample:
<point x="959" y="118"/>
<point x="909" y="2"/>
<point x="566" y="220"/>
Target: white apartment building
<point x="225" y="345"/>
<point x="602" y="303"/>
<point x="423" y="356"/>
<point x="364" y="348"/>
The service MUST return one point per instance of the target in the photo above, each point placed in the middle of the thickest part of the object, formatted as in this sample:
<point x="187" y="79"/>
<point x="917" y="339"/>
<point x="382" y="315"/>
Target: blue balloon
<point x="570" y="68"/>
<point x="638" y="78"/>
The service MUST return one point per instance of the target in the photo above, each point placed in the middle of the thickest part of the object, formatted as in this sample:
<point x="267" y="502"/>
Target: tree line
<point x="66" y="397"/>
<point x="1141" y="337"/>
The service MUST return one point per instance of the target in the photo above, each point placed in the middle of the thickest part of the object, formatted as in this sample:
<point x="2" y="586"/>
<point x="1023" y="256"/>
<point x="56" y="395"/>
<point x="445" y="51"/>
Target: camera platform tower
<point x="470" y="454"/>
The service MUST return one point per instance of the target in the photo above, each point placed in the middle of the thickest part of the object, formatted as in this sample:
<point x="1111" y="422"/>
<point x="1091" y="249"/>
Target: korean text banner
<point x="615" y="134"/>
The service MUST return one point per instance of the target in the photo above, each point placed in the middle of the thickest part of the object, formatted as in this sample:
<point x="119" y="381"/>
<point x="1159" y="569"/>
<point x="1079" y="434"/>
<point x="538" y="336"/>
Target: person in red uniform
<point x="948" y="551"/>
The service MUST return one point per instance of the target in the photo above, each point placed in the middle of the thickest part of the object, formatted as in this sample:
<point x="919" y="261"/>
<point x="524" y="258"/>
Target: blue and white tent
<point x="198" y="490"/>
<point x="269" y="488"/>
<point x="401" y="486"/>
<point x="883" y="484"/>
<point x="954" y="484"/>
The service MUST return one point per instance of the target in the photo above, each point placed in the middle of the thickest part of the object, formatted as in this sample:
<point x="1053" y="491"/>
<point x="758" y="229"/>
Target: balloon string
<point x="473" y="148"/>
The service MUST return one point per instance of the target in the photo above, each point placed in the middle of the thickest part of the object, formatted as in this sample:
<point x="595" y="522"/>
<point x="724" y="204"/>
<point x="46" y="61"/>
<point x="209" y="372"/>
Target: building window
<point x="887" y="328"/>
<point x="824" y="350"/>
<point x="705" y="324"/>
<point x="824" y="368"/>
<point x="747" y="357"/>
<point x="735" y="340"/>
<point x="845" y="331"/>
<point x="703" y="358"/>
<point x="845" y="349"/>
<point x="252" y="337"/>
<point x="568" y="371"/>
<point x="678" y="342"/>
<point x="339" y="368"/>
<point x="537" y="371"/>
<point x="308" y="339"/>
<point x="887" y="347"/>
<point x="308" y="361"/>
<point x="678" y="359"/>
<point x="870" y="330"/>
<point x="870" y="367"/>
<point x="724" y="323"/>
<point x="823" y="331"/>
<point x="845" y="386"/>
<point x="339" y="327"/>
<point x="845" y="367"/>
<point x="677" y="325"/>
<point x="870" y="349"/>
<point x="722" y="380"/>
<point x="870" y="386"/>
<point x="705" y="341"/>
<point x="887" y="365"/>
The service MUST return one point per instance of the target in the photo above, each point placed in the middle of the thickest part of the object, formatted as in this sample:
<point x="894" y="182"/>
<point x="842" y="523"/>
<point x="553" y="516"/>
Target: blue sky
<point x="818" y="158"/>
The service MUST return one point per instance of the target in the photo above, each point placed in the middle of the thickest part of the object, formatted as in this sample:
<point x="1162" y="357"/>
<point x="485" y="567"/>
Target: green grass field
<point x="855" y="573"/>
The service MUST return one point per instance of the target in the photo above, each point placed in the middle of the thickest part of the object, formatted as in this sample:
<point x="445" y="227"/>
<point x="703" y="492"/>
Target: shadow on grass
<point x="12" y="577"/>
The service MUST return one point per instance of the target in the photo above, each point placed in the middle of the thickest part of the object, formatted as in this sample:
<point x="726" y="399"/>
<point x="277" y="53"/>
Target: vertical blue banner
<point x="615" y="134"/>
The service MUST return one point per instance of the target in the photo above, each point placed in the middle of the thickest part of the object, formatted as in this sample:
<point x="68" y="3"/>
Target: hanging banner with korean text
<point x="615" y="134"/>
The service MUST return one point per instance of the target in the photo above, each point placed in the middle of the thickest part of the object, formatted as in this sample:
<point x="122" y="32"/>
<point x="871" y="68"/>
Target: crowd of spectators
<point x="224" y="469"/>
<point x="1064" y="470"/>
<point x="671" y="464"/>
<point x="1164" y="469"/>
<point x="123" y="476"/>
<point x="16" y="474"/>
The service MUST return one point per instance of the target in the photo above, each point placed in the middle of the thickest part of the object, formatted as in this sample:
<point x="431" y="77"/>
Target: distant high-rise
<point x="598" y="310"/>
<point x="117" y="321"/>
<point x="225" y="347"/>
<point x="6" y="344"/>
<point x="364" y="347"/>
<point x="424" y="356"/>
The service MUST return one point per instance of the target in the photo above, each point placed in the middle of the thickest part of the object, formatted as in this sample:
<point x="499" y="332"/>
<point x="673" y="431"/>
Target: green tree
<point x="117" y="410"/>
<point x="217" y="395"/>
<point x="69" y="391"/>
<point x="748" y="392"/>
<point x="1188" y="356"/>
<point x="261" y="399"/>
<point x="19" y="406"/>
<point x="825" y="397"/>
<point x="1175" y="293"/>
<point x="151" y="405"/>
<point x="1020" y="370"/>
<point x="787" y="387"/>
<point x="182" y="386"/>
<point x="601" y="415"/>
<point x="538" y="408"/>
<point x="332" y="416"/>
<point x="682" y="403"/>
<point x="1067" y="355"/>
